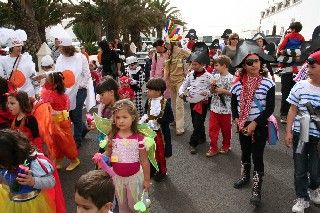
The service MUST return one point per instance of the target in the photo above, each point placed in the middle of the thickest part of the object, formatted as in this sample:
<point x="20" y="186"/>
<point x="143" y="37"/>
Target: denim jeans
<point x="76" y="116"/>
<point x="306" y="167"/>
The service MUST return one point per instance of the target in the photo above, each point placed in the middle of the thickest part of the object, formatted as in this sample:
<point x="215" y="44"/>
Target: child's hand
<point x="219" y="90"/>
<point x="146" y="185"/>
<point x="288" y="139"/>
<point x="251" y="127"/>
<point x="26" y="179"/>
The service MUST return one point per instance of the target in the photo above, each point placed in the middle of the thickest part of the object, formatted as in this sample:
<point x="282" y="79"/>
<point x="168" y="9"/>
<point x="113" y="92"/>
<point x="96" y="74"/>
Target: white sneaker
<point x="314" y="195"/>
<point x="300" y="205"/>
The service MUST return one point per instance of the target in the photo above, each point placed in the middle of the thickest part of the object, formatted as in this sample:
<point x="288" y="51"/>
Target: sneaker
<point x="211" y="153"/>
<point x="283" y="119"/>
<point x="224" y="151"/>
<point x="314" y="195"/>
<point x="74" y="164"/>
<point x="300" y="205"/>
<point x="193" y="150"/>
<point x="159" y="176"/>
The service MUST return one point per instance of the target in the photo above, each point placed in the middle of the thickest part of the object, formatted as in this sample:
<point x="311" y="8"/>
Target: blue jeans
<point x="306" y="162"/>
<point x="76" y="116"/>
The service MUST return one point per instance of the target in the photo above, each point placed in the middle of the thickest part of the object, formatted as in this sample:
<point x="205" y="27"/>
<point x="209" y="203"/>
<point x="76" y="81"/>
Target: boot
<point x="74" y="164"/>
<point x="256" y="188"/>
<point x="245" y="176"/>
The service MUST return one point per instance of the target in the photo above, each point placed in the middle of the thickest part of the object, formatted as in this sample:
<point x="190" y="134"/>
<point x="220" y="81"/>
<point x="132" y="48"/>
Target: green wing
<point x="149" y="143"/>
<point x="103" y="124"/>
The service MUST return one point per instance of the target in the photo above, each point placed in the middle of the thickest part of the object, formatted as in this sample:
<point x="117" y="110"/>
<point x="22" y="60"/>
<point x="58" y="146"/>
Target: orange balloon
<point x="17" y="78"/>
<point x="69" y="78"/>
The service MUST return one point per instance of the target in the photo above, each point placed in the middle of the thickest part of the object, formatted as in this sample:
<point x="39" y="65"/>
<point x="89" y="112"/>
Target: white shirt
<point x="223" y="81"/>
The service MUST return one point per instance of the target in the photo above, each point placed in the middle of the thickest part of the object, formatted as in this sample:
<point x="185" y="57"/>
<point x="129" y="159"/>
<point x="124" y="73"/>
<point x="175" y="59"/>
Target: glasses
<point x="311" y="61"/>
<point x="234" y="38"/>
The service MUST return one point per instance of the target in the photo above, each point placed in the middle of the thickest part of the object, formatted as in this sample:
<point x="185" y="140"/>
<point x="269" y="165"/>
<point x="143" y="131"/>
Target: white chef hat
<point x="46" y="61"/>
<point x="12" y="38"/>
<point x="65" y="42"/>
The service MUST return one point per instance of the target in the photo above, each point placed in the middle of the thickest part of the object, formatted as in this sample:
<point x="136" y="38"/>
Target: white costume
<point x="25" y="66"/>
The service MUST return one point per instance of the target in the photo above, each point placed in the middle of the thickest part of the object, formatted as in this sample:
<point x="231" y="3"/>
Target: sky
<point x="212" y="17"/>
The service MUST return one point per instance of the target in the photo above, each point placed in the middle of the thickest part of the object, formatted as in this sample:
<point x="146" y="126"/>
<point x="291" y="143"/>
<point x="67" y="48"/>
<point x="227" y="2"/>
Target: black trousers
<point x="286" y="85"/>
<point x="254" y="146"/>
<point x="199" y="131"/>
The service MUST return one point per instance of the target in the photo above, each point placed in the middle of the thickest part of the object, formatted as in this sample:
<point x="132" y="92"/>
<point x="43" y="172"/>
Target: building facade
<point x="277" y="18"/>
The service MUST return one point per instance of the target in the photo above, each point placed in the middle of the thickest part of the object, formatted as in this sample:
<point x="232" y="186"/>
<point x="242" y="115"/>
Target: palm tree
<point x="167" y="12"/>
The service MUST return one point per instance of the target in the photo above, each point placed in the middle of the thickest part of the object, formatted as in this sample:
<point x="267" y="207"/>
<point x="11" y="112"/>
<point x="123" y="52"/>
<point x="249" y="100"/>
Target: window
<point x="262" y="14"/>
<point x="280" y="6"/>
<point x="282" y="31"/>
<point x="273" y="9"/>
<point x="267" y="12"/>
<point x="267" y="32"/>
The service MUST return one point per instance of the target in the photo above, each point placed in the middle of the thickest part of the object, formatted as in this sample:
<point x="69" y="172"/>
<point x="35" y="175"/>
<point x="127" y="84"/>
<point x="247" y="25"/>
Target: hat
<point x="46" y="61"/>
<point x="200" y="46"/>
<point x="172" y="32"/>
<point x="314" y="58"/>
<point x="14" y="42"/>
<point x="131" y="60"/>
<point x="215" y="44"/>
<point x="226" y="33"/>
<point x="65" y="41"/>
<point x="247" y="47"/>
<point x="309" y="47"/>
<point x="260" y="35"/>
<point x="202" y="57"/>
<point x="192" y="34"/>
<point x="125" y="80"/>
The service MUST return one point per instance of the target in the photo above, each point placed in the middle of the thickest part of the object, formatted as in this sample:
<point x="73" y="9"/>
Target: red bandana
<point x="249" y="87"/>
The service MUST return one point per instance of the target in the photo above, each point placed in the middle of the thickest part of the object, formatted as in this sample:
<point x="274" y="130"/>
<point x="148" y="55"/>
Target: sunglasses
<point x="234" y="38"/>
<point x="250" y="62"/>
<point x="311" y="61"/>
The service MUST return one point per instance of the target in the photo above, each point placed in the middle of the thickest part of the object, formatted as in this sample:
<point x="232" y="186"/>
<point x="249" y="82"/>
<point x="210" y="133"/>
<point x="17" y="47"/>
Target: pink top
<point x="157" y="70"/>
<point x="125" y="154"/>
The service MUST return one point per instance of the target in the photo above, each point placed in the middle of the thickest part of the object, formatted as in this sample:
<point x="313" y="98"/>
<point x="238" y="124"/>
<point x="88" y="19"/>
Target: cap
<point x="314" y="58"/>
<point x="46" y="61"/>
<point x="65" y="42"/>
<point x="131" y="60"/>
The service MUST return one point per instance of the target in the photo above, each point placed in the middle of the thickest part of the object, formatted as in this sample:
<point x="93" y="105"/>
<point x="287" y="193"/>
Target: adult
<point x="192" y="36"/>
<point x="230" y="49"/>
<point x="75" y="69"/>
<point x="110" y="60"/>
<point x="225" y="37"/>
<point x="158" y="63"/>
<point x="252" y="88"/>
<point x="18" y="68"/>
<point x="175" y="74"/>
<point x="55" y="52"/>
<point x="260" y="38"/>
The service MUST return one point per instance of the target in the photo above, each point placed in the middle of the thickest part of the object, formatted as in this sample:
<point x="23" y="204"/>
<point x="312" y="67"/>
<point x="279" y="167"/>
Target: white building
<point x="278" y="16"/>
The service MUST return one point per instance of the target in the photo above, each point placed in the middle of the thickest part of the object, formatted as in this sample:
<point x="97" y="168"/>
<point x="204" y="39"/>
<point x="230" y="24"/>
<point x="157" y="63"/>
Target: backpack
<point x="273" y="129"/>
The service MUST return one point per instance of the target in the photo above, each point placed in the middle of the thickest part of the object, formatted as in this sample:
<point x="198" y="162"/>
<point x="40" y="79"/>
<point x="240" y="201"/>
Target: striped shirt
<point x="302" y="93"/>
<point x="261" y="95"/>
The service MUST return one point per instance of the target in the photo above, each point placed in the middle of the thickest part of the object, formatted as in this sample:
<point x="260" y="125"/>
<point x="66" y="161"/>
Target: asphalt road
<point x="197" y="184"/>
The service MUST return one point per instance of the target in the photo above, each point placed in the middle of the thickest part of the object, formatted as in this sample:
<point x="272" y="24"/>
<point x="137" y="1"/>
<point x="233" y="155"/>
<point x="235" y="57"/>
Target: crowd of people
<point x="41" y="116"/>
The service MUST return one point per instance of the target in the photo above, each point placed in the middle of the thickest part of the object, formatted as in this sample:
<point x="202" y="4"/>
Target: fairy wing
<point x="149" y="143"/>
<point x="103" y="125"/>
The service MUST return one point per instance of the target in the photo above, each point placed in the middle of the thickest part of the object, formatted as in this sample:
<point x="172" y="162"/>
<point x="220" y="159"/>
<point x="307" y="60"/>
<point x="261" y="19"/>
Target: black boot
<point x="256" y="189"/>
<point x="245" y="176"/>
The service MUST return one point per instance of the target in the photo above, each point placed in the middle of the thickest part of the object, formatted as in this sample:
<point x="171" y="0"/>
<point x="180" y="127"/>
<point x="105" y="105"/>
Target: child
<point x="63" y="141"/>
<point x="220" y="108"/>
<point x="5" y="116"/>
<point x="197" y="85"/>
<point x="108" y="91"/>
<point x="128" y="155"/>
<point x="19" y="105"/>
<point x="303" y="133"/>
<point x="95" y="74"/>
<point x="159" y="116"/>
<point x="137" y="76"/>
<point x="94" y="192"/>
<point x="125" y="90"/>
<point x="26" y="178"/>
